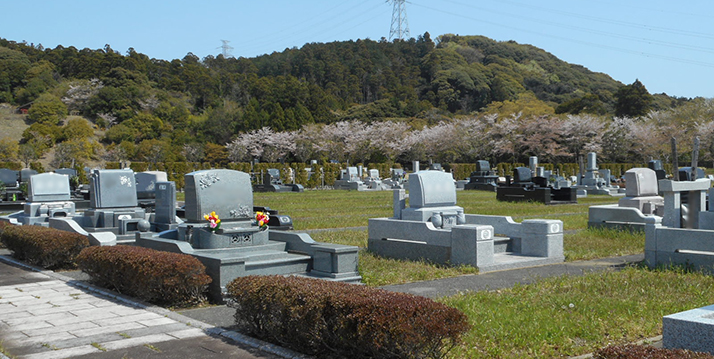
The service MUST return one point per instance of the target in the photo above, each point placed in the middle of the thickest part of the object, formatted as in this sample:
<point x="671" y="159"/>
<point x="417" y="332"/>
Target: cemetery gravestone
<point x="146" y="183"/>
<point x="640" y="204"/>
<point x="113" y="204"/>
<point x="434" y="228"/>
<point x="273" y="183"/>
<point x="521" y="188"/>
<point x="165" y="208"/>
<point x="9" y="179"/>
<point x="48" y="197"/>
<point x="240" y="247"/>
<point x="483" y="178"/>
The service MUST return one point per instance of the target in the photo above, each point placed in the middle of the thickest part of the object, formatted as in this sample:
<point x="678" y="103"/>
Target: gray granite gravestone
<point x="9" y="177"/>
<point x="640" y="204"/>
<point x="229" y="195"/>
<point x="9" y="180"/>
<point x="350" y="180"/>
<point x="273" y="183"/>
<point x="431" y="192"/>
<point x="596" y="181"/>
<point x="25" y="174"/>
<point x="113" y="204"/>
<point x="226" y="192"/>
<point x="240" y="247"/>
<point x="434" y="228"/>
<point x="165" y="208"/>
<point x="48" y="197"/>
<point x="112" y="189"/>
<point x="483" y="179"/>
<point x="146" y="183"/>
<point x="641" y="191"/>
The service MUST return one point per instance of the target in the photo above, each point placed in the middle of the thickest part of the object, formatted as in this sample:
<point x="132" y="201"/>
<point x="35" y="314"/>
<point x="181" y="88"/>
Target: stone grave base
<point x="278" y="188"/>
<point x="491" y="187"/>
<point x="545" y="195"/>
<point x="583" y="191"/>
<point x="615" y="217"/>
<point x="691" y="329"/>
<point x="693" y="248"/>
<point x="487" y="242"/>
<point x="285" y="253"/>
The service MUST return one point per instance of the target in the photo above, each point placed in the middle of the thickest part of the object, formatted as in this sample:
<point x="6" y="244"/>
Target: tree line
<point x="92" y="105"/>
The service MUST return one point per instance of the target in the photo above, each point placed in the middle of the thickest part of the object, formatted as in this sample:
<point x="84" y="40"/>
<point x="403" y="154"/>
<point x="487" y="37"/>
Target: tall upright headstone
<point x="112" y="189"/>
<point x="48" y="196"/>
<point x="146" y="183"/>
<point x="228" y="193"/>
<point x="165" y="208"/>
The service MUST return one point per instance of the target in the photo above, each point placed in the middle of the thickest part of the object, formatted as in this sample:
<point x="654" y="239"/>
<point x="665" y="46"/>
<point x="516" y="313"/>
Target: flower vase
<point x="437" y="220"/>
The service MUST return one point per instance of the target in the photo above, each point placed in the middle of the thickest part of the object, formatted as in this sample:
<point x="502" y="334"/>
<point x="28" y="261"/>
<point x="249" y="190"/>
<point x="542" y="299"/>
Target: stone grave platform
<point x="434" y="228"/>
<point x="239" y="247"/>
<point x="641" y="204"/>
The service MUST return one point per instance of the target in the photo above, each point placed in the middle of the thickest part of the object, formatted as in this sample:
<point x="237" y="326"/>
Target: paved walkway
<point x="45" y="315"/>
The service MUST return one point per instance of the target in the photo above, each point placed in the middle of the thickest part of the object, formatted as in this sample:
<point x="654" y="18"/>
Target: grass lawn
<point x="567" y="316"/>
<point x="554" y="317"/>
<point x="346" y="213"/>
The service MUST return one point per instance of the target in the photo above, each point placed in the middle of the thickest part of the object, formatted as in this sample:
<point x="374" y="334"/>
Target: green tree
<point x="8" y="149"/>
<point x="586" y="104"/>
<point x="13" y="67"/>
<point x="76" y="129"/>
<point x="27" y="153"/>
<point x="153" y="151"/>
<point x="47" y="109"/>
<point x="39" y="78"/>
<point x="74" y="151"/>
<point x="216" y="154"/>
<point x="632" y="100"/>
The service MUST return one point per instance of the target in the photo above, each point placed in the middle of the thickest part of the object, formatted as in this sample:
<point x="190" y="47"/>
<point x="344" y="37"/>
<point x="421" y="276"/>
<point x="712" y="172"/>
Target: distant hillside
<point x="212" y="99"/>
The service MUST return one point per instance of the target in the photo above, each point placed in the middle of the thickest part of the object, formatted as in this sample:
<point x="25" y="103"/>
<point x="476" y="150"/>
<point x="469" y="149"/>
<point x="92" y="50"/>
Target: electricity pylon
<point x="226" y="49"/>
<point x="400" y="25"/>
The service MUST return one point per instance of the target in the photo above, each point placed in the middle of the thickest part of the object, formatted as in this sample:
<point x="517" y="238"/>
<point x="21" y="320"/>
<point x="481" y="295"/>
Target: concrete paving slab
<point x="44" y="314"/>
<point x="508" y="278"/>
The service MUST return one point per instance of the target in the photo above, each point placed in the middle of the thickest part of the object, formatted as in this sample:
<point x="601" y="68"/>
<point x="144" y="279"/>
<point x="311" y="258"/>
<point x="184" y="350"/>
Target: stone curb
<point x="639" y="342"/>
<point x="209" y="329"/>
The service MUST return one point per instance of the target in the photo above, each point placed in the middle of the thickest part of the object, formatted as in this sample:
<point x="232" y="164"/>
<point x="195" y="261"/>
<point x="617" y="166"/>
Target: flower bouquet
<point x="261" y="219"/>
<point x="214" y="222"/>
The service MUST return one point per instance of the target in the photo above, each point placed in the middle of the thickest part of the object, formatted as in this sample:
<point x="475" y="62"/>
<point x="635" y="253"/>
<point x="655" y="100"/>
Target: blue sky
<point x="667" y="45"/>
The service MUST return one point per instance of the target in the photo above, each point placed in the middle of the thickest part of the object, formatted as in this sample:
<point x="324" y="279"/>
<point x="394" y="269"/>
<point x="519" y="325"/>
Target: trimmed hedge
<point x="3" y="224"/>
<point x="45" y="247"/>
<point x="631" y="351"/>
<point x="324" y="318"/>
<point x="165" y="278"/>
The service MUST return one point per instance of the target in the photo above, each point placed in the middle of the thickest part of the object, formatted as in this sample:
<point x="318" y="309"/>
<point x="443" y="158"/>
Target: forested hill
<point x="212" y="99"/>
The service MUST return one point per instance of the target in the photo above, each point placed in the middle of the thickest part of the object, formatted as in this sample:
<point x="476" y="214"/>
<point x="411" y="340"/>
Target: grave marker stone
<point x="46" y="187"/>
<point x="165" y="208"/>
<point x="226" y="192"/>
<point x="146" y="183"/>
<point x="8" y="177"/>
<point x="112" y="189"/>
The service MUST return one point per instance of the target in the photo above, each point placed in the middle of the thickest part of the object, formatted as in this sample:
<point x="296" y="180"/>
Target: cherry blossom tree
<point x="505" y="139"/>
<point x="582" y="134"/>
<point x="238" y="149"/>
<point x="193" y="152"/>
<point x="389" y="138"/>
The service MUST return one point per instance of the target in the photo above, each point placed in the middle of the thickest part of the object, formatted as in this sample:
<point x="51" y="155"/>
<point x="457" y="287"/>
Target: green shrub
<point x="3" y="224"/>
<point x="45" y="247"/>
<point x="164" y="278"/>
<point x="642" y="351"/>
<point x="324" y="318"/>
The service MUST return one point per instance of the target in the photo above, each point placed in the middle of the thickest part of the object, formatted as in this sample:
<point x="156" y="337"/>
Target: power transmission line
<point x="226" y="49"/>
<point x="400" y="25"/>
